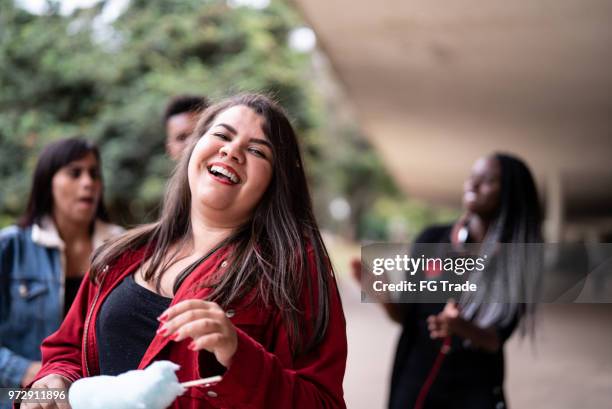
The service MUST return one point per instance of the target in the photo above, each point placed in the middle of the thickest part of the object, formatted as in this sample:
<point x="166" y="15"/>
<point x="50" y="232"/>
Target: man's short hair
<point x="185" y="104"/>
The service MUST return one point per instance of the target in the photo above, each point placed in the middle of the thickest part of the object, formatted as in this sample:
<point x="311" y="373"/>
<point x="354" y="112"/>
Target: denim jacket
<point x="32" y="264"/>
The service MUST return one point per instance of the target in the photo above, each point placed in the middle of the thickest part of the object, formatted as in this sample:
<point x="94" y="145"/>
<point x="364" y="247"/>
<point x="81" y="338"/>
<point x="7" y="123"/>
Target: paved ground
<point x="569" y="366"/>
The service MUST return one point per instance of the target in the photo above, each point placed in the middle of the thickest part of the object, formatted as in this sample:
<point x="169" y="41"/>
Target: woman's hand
<point x="30" y="373"/>
<point x="443" y="324"/>
<point x="49" y="382"/>
<point x="449" y="322"/>
<point x="392" y="309"/>
<point x="356" y="269"/>
<point x="206" y="324"/>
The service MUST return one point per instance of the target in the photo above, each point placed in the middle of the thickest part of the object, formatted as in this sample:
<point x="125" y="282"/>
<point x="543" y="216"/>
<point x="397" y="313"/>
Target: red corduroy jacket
<point x="263" y="373"/>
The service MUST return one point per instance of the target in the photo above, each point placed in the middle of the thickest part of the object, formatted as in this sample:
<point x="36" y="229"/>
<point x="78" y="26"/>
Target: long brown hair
<point x="269" y="251"/>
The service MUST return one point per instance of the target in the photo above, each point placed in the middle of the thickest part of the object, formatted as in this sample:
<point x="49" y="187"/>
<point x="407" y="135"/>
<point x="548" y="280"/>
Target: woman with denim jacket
<point x="45" y="256"/>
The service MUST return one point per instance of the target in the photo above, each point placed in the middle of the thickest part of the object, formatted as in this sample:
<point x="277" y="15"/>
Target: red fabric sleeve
<point x="62" y="350"/>
<point x="257" y="378"/>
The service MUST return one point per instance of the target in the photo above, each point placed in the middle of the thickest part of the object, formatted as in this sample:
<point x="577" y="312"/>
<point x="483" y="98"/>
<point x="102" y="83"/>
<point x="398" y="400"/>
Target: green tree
<point x="74" y="75"/>
<point x="109" y="80"/>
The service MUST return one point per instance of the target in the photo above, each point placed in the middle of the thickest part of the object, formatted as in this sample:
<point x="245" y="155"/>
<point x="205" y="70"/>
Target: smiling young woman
<point x="235" y="271"/>
<point x="230" y="167"/>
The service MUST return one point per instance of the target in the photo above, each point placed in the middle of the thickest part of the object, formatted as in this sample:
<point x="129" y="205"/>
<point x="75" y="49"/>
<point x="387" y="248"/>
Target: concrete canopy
<point x="435" y="85"/>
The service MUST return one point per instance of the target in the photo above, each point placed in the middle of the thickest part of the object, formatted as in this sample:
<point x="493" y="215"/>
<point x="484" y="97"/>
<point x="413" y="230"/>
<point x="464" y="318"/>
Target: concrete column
<point x="555" y="208"/>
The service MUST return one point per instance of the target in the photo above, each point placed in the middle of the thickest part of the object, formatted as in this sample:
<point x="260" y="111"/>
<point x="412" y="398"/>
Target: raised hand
<point x="205" y="323"/>
<point x="443" y="324"/>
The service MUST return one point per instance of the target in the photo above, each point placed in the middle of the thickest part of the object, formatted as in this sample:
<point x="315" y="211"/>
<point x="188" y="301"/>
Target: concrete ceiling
<point x="437" y="84"/>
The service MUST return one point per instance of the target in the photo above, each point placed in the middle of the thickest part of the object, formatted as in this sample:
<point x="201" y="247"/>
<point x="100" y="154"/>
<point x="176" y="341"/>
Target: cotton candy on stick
<point x="155" y="387"/>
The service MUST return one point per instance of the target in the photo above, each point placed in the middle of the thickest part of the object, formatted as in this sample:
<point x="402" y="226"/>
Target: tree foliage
<point x="109" y="79"/>
<point x="66" y="75"/>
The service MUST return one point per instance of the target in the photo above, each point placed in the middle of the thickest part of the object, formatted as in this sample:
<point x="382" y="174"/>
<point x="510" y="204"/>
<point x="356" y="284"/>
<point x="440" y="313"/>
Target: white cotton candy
<point x="155" y="387"/>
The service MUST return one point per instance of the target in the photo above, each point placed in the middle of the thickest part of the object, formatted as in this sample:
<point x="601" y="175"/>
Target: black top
<point x="126" y="325"/>
<point x="468" y="377"/>
<point x="71" y="287"/>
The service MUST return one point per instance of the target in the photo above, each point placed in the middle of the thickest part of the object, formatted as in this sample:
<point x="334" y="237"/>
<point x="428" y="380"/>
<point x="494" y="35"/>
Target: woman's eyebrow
<point x="253" y="140"/>
<point x="261" y="142"/>
<point x="73" y="165"/>
<point x="229" y="128"/>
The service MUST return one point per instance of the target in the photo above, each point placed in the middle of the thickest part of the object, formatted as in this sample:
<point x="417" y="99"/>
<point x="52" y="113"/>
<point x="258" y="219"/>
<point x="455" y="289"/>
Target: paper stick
<point x="202" y="381"/>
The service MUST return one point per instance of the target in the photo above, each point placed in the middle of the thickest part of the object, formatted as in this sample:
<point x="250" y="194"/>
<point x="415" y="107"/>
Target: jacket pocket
<point x="28" y="299"/>
<point x="30" y="289"/>
<point x="203" y="398"/>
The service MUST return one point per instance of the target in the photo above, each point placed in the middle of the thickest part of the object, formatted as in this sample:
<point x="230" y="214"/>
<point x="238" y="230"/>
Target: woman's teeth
<point x="221" y="171"/>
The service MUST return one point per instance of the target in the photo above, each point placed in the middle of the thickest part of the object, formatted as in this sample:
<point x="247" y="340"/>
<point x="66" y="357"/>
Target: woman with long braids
<point x="451" y="355"/>
<point x="233" y="280"/>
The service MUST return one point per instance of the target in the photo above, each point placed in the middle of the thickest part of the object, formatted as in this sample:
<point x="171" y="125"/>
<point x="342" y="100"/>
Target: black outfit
<point x="468" y="377"/>
<point x="71" y="287"/>
<point x="126" y="325"/>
